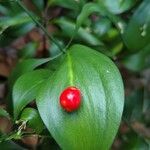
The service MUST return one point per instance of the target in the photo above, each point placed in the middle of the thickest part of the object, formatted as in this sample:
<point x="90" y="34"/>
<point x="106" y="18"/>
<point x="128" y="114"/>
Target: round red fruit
<point x="70" y="99"/>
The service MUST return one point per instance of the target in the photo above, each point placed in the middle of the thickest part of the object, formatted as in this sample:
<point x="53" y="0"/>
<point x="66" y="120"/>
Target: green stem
<point x="39" y="24"/>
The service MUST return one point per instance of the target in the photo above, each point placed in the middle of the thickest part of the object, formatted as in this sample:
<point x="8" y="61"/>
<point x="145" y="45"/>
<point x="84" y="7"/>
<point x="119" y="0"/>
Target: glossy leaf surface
<point x="95" y="123"/>
<point x="26" y="88"/>
<point x="24" y="67"/>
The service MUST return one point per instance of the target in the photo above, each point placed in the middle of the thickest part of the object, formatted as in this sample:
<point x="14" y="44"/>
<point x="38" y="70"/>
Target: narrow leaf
<point x="26" y="88"/>
<point x="68" y="29"/>
<point x="31" y="116"/>
<point x="117" y="6"/>
<point x="4" y="113"/>
<point x="88" y="9"/>
<point x="24" y="67"/>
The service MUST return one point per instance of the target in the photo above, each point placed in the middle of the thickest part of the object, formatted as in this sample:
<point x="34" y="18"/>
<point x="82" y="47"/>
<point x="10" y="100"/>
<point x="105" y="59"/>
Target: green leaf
<point x="31" y="116"/>
<point x="21" y="68"/>
<point x="3" y="10"/>
<point x="101" y="26"/>
<point x="26" y="88"/>
<point x="88" y="9"/>
<point x="39" y="4"/>
<point x="29" y="50"/>
<point x="4" y="113"/>
<point x="74" y="5"/>
<point x="24" y="67"/>
<point x="95" y="124"/>
<point x="134" y="105"/>
<point x="13" y="21"/>
<point x="68" y="29"/>
<point x="139" y="61"/>
<point x="135" y="142"/>
<point x="137" y="33"/>
<point x="10" y="33"/>
<point x="117" y="6"/>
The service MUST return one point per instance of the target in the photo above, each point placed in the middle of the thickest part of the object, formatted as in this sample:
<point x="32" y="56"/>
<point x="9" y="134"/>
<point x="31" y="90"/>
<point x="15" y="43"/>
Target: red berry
<point x="70" y="99"/>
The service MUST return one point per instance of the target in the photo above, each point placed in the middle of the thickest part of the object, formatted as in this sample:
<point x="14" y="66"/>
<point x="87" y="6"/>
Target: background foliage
<point x="32" y="37"/>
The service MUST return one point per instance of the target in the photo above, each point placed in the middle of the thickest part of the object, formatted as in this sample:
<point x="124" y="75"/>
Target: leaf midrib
<point x="70" y="70"/>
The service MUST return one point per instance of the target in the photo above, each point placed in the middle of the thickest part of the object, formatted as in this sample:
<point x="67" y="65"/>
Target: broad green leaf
<point x="31" y="116"/>
<point x="95" y="124"/>
<point x="4" y="113"/>
<point x="26" y="88"/>
<point x="137" y="33"/>
<point x="21" y="68"/>
<point x="68" y="29"/>
<point x="139" y="61"/>
<point x="117" y="6"/>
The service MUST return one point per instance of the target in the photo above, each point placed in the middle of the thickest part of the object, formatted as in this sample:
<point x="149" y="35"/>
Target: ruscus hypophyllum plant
<point x="80" y="101"/>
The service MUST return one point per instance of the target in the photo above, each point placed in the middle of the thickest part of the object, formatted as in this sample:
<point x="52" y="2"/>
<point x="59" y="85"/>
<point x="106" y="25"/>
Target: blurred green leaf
<point x="117" y="6"/>
<point x="11" y="33"/>
<point x="4" y="113"/>
<point x="101" y="26"/>
<point x="135" y="142"/>
<point x="39" y="4"/>
<point x="11" y="8"/>
<point x="26" y="88"/>
<point x="22" y="29"/>
<point x="24" y="67"/>
<point x="137" y="33"/>
<point x="29" y="50"/>
<point x="21" y="68"/>
<point x="70" y="4"/>
<point x="134" y="104"/>
<point x="139" y="61"/>
<point x="88" y="9"/>
<point x="3" y="10"/>
<point x="13" y="21"/>
<point x="32" y="119"/>
<point x="85" y="35"/>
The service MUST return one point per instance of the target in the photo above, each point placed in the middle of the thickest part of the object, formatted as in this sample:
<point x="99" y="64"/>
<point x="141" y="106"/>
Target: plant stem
<point x="39" y="24"/>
